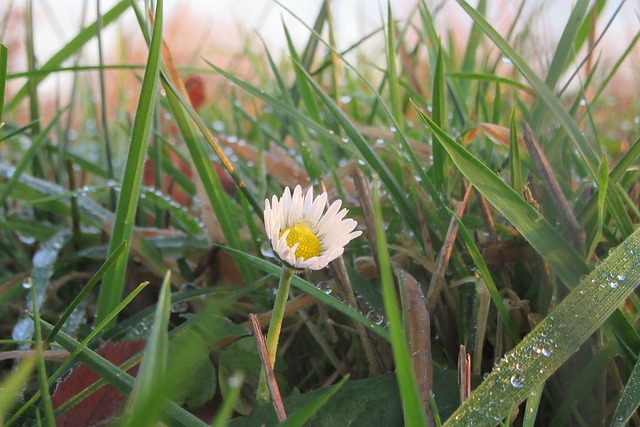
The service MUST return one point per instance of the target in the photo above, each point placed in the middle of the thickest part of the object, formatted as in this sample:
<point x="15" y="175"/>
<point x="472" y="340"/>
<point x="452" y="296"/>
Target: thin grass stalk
<point x="275" y="326"/>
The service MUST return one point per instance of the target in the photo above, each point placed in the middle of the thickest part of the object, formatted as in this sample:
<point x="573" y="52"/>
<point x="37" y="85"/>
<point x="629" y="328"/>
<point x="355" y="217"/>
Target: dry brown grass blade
<point x="278" y="164"/>
<point x="540" y="162"/>
<point x="464" y="373"/>
<point x="419" y="328"/>
<point x="276" y="397"/>
<point x="442" y="262"/>
<point x="497" y="134"/>
<point x="482" y="319"/>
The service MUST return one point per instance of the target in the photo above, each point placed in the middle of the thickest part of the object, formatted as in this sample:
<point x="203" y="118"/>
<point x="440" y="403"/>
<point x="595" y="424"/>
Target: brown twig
<point x="437" y="280"/>
<point x="464" y="373"/>
<point x="276" y="397"/>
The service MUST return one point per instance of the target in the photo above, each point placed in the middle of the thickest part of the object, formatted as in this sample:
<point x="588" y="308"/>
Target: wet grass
<point x="494" y="282"/>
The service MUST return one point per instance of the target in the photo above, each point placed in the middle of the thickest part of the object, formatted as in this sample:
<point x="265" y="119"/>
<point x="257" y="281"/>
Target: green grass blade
<point x="85" y="291"/>
<point x="218" y="198"/>
<point x="4" y="58"/>
<point x="26" y="160"/>
<point x="486" y="276"/>
<point x="439" y="116"/>
<point x="41" y="369"/>
<point x="226" y="409"/>
<point x="562" y="258"/>
<point x="150" y="388"/>
<point x="555" y="339"/>
<point x="414" y="412"/>
<point x="310" y="289"/>
<point x="111" y="291"/>
<point x="71" y="47"/>
<point x="515" y="166"/>
<point x="588" y="154"/>
<point x="80" y="347"/>
<point x="13" y="385"/>
<point x="118" y="378"/>
<point x="630" y="399"/>
<point x="392" y="71"/>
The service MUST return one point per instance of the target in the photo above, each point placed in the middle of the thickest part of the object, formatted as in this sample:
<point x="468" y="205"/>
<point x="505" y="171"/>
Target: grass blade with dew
<point x="310" y="289"/>
<point x="85" y="291"/>
<point x="150" y="389"/>
<point x="26" y="159"/>
<point x="218" y="198"/>
<point x="486" y="276"/>
<point x="111" y="294"/>
<point x="439" y="115"/>
<point x="630" y="399"/>
<point x="555" y="339"/>
<point x="414" y="413"/>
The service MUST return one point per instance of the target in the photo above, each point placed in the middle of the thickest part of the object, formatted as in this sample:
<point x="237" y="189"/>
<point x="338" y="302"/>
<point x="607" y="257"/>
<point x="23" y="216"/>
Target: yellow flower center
<point x="309" y="243"/>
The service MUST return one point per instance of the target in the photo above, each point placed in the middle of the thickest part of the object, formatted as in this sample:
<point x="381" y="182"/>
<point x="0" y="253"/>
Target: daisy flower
<point x="302" y="234"/>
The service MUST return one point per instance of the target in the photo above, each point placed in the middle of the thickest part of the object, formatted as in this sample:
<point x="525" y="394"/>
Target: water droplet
<point x="345" y="99"/>
<point x="266" y="250"/>
<point x="546" y="352"/>
<point x="506" y="60"/>
<point x="517" y="381"/>
<point x="621" y="277"/>
<point x="375" y="316"/>
<point x="179" y="307"/>
<point x="325" y="287"/>
<point x="235" y="381"/>
<point x="613" y="285"/>
<point x="27" y="283"/>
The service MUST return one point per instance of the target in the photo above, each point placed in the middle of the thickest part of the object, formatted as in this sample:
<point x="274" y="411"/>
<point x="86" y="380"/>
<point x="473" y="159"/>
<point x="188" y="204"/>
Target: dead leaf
<point x="104" y="403"/>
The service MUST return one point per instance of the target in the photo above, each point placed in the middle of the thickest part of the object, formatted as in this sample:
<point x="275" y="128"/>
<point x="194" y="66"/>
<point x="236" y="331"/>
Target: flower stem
<point x="274" y="328"/>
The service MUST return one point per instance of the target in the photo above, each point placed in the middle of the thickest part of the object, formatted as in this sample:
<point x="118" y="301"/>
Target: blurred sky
<point x="58" y="20"/>
<point x="223" y="30"/>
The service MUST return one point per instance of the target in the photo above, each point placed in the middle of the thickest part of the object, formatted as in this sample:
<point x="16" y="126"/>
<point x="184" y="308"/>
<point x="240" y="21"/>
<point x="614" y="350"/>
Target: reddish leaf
<point x="104" y="403"/>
